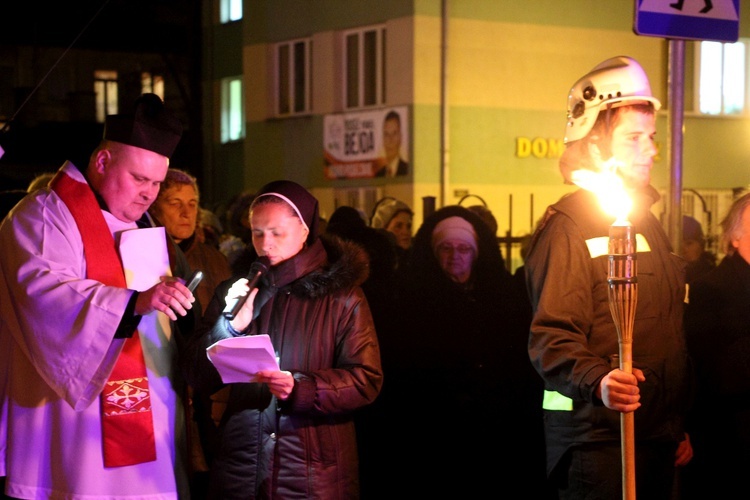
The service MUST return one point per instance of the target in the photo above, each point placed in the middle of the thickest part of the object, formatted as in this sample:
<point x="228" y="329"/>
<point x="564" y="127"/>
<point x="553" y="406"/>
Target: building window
<point x="230" y="10"/>
<point x="153" y="84"/>
<point x="364" y="67"/>
<point x="721" y="78"/>
<point x="232" y="113"/>
<point x="293" y="77"/>
<point x="105" y="89"/>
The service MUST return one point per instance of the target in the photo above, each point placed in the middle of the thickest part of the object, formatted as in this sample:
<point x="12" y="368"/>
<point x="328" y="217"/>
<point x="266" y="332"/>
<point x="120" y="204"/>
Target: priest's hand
<point x="169" y="296"/>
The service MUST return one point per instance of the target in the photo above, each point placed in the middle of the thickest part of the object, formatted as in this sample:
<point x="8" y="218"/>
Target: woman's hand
<point x="245" y="315"/>
<point x="280" y="383"/>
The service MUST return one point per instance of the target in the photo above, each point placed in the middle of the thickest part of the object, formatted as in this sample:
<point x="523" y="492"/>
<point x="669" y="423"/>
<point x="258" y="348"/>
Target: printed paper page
<point x="238" y="359"/>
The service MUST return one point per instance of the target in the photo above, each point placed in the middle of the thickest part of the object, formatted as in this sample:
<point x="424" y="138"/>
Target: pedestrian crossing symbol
<point x="688" y="19"/>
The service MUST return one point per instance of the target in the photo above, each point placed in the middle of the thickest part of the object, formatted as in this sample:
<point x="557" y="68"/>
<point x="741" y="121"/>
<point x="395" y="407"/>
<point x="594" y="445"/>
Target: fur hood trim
<point x="329" y="265"/>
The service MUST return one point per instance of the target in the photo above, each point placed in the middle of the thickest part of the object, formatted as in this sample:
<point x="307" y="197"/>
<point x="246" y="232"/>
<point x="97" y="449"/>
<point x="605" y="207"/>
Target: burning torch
<point x="623" y="291"/>
<point x="623" y="297"/>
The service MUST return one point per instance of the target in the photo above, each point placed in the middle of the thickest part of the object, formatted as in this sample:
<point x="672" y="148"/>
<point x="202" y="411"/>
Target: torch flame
<point x="609" y="188"/>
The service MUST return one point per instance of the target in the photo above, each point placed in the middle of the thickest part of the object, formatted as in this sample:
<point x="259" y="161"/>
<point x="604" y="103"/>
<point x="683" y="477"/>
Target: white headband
<point x="289" y="202"/>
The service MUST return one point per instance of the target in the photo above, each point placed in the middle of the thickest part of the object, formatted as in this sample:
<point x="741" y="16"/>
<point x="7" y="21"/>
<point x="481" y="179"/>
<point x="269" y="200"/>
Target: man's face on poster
<point x="391" y="139"/>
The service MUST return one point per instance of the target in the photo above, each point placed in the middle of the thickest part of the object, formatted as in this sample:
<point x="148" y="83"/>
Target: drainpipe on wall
<point x="444" y="128"/>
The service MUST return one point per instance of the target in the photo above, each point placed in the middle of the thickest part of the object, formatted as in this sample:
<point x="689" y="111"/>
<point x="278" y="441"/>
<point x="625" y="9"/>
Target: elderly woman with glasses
<point x="459" y="361"/>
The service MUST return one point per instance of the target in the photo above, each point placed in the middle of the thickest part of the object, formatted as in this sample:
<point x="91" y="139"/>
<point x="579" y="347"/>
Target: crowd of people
<point x="408" y="360"/>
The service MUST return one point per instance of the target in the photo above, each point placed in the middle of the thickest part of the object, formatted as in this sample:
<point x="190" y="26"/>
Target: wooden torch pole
<point x="623" y="297"/>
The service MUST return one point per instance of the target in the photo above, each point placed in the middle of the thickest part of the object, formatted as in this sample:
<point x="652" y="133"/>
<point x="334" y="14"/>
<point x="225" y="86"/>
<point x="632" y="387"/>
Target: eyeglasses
<point x="447" y="248"/>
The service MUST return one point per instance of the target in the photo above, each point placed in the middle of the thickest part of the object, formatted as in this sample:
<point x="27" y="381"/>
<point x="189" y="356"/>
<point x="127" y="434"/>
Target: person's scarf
<point x="127" y="422"/>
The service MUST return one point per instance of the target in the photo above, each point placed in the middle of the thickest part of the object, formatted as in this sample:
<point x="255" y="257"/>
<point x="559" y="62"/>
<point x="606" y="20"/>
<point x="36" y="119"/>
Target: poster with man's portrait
<point x="366" y="144"/>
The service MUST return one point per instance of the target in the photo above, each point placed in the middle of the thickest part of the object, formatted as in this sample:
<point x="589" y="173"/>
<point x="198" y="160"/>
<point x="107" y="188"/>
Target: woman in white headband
<point x="291" y="432"/>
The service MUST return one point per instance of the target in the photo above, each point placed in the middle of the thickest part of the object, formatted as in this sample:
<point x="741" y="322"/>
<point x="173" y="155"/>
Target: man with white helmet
<point x="573" y="340"/>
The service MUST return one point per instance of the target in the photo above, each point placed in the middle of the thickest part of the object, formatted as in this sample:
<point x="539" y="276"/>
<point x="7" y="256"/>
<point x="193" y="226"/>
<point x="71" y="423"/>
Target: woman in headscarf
<point x="291" y="434"/>
<point x="394" y="218"/>
<point x="461" y="359"/>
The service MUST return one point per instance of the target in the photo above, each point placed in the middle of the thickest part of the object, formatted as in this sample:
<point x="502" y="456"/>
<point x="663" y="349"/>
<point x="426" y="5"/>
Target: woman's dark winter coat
<point x="460" y="394"/>
<point x="322" y="330"/>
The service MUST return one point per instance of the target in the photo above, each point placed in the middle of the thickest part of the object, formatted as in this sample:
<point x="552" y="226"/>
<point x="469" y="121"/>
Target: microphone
<point x="257" y="270"/>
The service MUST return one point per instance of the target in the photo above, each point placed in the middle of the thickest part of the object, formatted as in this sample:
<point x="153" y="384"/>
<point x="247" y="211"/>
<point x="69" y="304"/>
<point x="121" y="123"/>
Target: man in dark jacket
<point x="717" y="325"/>
<point x="573" y="338"/>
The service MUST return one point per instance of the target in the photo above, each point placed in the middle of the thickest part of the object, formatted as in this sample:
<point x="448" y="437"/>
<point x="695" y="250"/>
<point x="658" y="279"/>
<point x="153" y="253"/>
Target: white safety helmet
<point x="615" y="82"/>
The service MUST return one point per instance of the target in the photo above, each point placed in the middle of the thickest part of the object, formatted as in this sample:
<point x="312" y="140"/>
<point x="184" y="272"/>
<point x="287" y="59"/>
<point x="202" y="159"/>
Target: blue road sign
<point x="717" y="20"/>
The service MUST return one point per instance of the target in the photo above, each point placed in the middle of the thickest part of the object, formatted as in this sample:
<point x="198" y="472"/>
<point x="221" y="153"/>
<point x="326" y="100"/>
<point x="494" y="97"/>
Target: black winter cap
<point x="149" y="127"/>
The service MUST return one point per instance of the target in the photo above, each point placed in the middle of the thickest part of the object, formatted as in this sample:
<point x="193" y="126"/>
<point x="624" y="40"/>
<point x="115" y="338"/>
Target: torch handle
<point x="623" y="298"/>
<point x="627" y="430"/>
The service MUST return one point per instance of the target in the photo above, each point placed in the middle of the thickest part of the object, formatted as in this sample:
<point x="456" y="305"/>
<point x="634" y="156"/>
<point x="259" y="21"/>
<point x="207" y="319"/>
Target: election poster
<point x="366" y="144"/>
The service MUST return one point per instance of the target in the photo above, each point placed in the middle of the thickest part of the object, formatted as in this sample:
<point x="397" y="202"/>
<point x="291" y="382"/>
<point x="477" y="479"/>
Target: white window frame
<point x="357" y="84"/>
<point x="106" y="94"/>
<point x="232" y="109"/>
<point x="293" y="90"/>
<point x="230" y="11"/>
<point x="721" y="78"/>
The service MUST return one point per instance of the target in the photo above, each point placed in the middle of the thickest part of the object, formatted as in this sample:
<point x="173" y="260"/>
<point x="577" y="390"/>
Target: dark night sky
<point x="167" y="26"/>
<point x="127" y="25"/>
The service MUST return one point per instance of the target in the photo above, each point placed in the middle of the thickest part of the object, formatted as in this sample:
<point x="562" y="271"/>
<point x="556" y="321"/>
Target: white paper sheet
<point x="144" y="257"/>
<point x="238" y="359"/>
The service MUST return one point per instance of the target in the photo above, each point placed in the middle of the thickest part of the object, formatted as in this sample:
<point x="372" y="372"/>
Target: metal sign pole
<point x="674" y="148"/>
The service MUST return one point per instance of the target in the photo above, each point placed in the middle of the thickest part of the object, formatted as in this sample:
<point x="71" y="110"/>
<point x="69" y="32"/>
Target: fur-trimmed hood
<point x="328" y="265"/>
